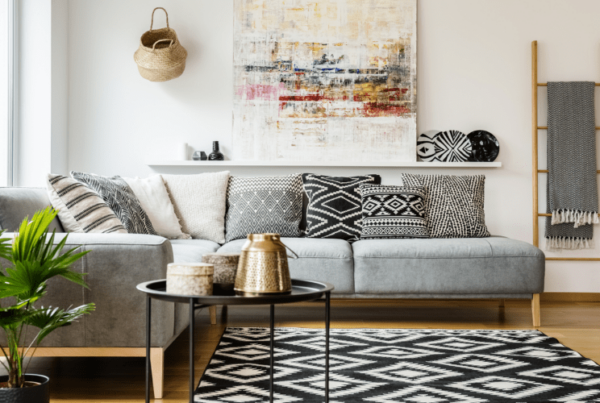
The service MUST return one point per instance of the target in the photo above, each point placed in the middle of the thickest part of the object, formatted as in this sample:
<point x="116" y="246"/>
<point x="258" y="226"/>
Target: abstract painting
<point x="325" y="80"/>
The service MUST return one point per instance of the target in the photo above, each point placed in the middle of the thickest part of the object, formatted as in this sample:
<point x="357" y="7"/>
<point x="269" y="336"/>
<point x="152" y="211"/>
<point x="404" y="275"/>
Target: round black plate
<point x="485" y="146"/>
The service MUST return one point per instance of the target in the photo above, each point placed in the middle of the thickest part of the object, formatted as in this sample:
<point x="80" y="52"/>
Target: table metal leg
<point x="148" y="329"/>
<point x="327" y="319"/>
<point x="272" y="350"/>
<point x="192" y="311"/>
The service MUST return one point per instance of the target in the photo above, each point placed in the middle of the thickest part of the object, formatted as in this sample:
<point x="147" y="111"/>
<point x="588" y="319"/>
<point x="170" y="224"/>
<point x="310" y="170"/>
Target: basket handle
<point x="152" y="21"/>
<point x="293" y="253"/>
<point x="162" y="40"/>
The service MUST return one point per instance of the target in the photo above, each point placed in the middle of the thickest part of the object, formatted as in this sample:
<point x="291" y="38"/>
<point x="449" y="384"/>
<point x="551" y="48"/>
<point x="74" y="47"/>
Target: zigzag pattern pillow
<point x="393" y="212"/>
<point x="121" y="199"/>
<point x="264" y="205"/>
<point x="334" y="205"/>
<point x="455" y="204"/>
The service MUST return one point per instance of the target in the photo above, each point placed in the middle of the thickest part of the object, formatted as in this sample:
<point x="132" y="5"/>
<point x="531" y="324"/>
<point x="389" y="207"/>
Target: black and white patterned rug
<point x="399" y="365"/>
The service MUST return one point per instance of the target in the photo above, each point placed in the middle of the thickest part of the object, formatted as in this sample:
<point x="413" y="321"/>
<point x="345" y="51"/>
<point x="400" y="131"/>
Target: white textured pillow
<point x="154" y="199"/>
<point x="199" y="202"/>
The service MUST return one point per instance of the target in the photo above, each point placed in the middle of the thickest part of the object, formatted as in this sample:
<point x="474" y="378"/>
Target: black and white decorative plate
<point x="485" y="146"/>
<point x="426" y="146"/>
<point x="398" y="365"/>
<point x="452" y="146"/>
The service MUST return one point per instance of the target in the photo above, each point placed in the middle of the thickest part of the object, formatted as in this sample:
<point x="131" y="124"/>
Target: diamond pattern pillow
<point x="263" y="205"/>
<point x="454" y="205"/>
<point x="393" y="212"/>
<point x="334" y="205"/>
<point x="120" y="198"/>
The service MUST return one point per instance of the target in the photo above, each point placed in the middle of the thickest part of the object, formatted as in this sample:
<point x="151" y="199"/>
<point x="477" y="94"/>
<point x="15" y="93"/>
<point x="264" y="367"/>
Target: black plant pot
<point x="32" y="394"/>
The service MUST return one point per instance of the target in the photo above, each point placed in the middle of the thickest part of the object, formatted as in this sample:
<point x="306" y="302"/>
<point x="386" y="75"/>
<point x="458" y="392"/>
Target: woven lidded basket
<point x="160" y="56"/>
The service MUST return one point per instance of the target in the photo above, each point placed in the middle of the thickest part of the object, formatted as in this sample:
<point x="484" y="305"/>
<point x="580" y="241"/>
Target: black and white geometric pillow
<point x="334" y="205"/>
<point x="393" y="212"/>
<point x="263" y="205"/>
<point x="454" y="204"/>
<point x="121" y="199"/>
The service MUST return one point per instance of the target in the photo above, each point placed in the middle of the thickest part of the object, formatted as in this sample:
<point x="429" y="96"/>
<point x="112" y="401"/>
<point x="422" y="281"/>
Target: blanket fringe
<point x="558" y="243"/>
<point x="576" y="217"/>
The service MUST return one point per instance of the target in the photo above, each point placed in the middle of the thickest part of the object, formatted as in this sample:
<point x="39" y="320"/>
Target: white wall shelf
<point x="183" y="163"/>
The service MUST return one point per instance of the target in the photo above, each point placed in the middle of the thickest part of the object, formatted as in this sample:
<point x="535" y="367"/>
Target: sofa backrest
<point x="18" y="203"/>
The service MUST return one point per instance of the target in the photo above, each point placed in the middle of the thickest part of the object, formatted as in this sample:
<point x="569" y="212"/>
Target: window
<point x="6" y="90"/>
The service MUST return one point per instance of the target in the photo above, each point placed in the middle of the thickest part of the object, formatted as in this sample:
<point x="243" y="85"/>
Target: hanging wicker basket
<point x="160" y="56"/>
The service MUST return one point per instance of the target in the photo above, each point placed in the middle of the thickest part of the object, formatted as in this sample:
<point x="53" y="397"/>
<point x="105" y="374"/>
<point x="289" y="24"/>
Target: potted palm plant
<point x="30" y="262"/>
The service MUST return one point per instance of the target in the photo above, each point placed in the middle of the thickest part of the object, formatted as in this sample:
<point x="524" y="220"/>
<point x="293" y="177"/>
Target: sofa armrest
<point x="115" y="265"/>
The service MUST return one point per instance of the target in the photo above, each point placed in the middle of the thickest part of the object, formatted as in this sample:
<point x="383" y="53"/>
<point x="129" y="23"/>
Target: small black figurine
<point x="199" y="156"/>
<point x="216" y="155"/>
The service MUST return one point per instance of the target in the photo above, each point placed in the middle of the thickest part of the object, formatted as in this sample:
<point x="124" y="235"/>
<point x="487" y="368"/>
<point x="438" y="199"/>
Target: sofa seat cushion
<point x="191" y="250"/>
<point x="493" y="265"/>
<point x="328" y="260"/>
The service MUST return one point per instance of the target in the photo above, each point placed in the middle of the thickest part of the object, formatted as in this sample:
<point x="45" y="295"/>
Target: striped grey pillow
<point x="120" y="198"/>
<point x="80" y="209"/>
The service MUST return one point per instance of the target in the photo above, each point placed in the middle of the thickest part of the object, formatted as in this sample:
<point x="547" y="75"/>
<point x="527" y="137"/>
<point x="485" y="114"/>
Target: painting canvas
<point x="325" y="80"/>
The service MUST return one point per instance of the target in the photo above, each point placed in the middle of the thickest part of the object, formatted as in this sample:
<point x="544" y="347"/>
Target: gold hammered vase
<point x="263" y="267"/>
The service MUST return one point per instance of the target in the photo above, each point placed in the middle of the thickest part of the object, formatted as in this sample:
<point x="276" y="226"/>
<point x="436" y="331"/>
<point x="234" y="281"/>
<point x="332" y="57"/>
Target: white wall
<point x="474" y="72"/>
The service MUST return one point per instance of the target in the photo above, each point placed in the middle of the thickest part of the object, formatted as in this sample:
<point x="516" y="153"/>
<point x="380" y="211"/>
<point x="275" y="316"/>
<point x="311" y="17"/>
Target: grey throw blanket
<point x="572" y="182"/>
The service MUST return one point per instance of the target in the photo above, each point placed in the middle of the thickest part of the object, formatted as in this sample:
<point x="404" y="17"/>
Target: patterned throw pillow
<point x="454" y="204"/>
<point x="264" y="205"/>
<point x="334" y="205"/>
<point x="80" y="209"/>
<point x="393" y="212"/>
<point x="121" y="199"/>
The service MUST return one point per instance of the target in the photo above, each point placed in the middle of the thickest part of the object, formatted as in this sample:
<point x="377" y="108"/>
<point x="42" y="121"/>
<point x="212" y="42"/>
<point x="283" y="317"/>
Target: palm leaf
<point x="28" y="244"/>
<point x="50" y="319"/>
<point x="4" y="247"/>
<point x="11" y="318"/>
<point x="26" y="281"/>
<point x="39" y="259"/>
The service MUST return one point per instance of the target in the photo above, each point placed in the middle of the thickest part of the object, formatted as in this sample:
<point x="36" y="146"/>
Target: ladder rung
<point x="546" y="127"/>
<point x="550" y="215"/>
<point x="545" y="171"/>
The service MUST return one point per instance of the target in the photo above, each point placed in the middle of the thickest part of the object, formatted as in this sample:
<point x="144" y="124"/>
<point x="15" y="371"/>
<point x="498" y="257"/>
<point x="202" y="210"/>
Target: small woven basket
<point x="160" y="56"/>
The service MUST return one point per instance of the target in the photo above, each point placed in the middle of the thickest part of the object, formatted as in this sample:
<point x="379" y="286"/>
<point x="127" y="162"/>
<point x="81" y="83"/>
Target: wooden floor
<point x="575" y="324"/>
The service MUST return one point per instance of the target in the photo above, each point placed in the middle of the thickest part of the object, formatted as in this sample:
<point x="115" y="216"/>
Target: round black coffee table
<point x="301" y="291"/>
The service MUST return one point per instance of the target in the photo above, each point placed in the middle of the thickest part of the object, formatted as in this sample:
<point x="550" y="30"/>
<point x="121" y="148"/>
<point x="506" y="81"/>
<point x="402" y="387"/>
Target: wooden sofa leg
<point x="502" y="304"/>
<point x="157" y="363"/>
<point x="535" y="310"/>
<point x="213" y="314"/>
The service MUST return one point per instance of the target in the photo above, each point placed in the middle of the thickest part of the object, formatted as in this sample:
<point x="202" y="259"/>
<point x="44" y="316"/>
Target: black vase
<point x="216" y="155"/>
<point x="33" y="394"/>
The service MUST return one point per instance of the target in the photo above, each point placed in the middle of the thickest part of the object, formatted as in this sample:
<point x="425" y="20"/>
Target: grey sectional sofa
<point x="471" y="268"/>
